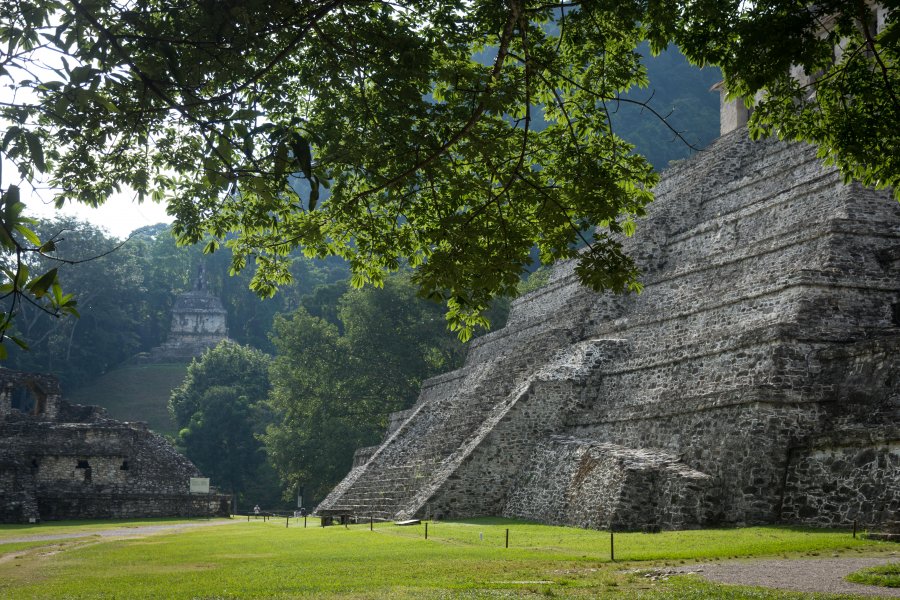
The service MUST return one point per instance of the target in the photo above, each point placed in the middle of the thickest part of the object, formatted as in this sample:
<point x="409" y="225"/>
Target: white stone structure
<point x="198" y="323"/>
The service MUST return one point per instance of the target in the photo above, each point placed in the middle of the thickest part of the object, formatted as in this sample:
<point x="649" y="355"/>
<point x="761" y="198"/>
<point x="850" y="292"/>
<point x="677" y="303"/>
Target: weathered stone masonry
<point x="198" y="323"/>
<point x="756" y="379"/>
<point x="65" y="461"/>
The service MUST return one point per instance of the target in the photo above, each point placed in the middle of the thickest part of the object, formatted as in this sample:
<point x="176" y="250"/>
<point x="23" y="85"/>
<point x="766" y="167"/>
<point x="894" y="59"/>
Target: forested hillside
<point x="673" y="115"/>
<point x="679" y="92"/>
<point x="125" y="291"/>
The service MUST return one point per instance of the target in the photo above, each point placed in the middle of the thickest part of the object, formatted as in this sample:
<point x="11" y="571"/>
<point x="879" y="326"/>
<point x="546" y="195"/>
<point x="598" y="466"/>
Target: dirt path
<point x="134" y="531"/>
<point x="823" y="575"/>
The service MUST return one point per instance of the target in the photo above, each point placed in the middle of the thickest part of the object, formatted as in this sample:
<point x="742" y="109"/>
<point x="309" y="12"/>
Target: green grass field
<point x="86" y="527"/>
<point x="884" y="575"/>
<point x="135" y="393"/>
<point x="464" y="559"/>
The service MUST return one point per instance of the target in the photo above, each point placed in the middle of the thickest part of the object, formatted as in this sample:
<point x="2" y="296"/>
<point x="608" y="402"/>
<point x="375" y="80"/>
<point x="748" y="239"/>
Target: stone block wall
<point x="17" y="505"/>
<point x="838" y="481"/>
<point x="77" y="504"/>
<point x="199" y="322"/>
<point x="41" y="394"/>
<point x="476" y="479"/>
<point x="362" y="455"/>
<point x="743" y="447"/>
<point x="587" y="484"/>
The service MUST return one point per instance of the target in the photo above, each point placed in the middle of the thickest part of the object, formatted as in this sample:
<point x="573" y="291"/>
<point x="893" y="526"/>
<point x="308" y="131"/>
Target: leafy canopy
<point x="220" y="411"/>
<point x="368" y="130"/>
<point x="335" y="384"/>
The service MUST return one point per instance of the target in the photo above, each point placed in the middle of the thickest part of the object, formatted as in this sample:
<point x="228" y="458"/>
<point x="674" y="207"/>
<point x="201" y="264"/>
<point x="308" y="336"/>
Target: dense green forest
<point x="313" y="372"/>
<point x="679" y="92"/>
<point x="125" y="292"/>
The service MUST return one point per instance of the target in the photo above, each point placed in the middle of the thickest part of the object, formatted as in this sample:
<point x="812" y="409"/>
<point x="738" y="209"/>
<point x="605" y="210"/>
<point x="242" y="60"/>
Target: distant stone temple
<point x="198" y="323"/>
<point x="66" y="461"/>
<point x="755" y="380"/>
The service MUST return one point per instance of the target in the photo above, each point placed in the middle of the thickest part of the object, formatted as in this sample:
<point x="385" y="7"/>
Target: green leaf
<point x="40" y="285"/>
<point x="22" y="279"/>
<point x="302" y="154"/>
<point x="36" y="150"/>
<point x="313" y="195"/>
<point x="6" y="241"/>
<point x="11" y="133"/>
<point x="29" y="235"/>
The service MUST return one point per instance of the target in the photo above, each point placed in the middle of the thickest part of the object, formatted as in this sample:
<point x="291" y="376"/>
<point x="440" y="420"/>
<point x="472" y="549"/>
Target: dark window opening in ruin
<point x="124" y="466"/>
<point x="40" y="404"/>
<point x="34" y="463"/>
<point x="28" y="400"/>
<point x="83" y="464"/>
<point x="22" y="400"/>
<point x="895" y="313"/>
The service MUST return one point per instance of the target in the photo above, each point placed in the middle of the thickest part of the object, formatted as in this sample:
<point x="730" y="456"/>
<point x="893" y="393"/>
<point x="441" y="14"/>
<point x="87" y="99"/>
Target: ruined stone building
<point x="67" y="461"/>
<point x="198" y="323"/>
<point x="755" y="380"/>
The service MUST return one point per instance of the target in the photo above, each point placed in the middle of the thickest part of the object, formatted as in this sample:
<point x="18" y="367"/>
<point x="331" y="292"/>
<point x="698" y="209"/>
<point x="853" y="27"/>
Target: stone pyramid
<point x="755" y="380"/>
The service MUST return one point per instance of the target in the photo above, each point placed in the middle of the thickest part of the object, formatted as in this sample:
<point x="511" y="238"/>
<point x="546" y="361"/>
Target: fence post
<point x="426" y="530"/>
<point x="286" y="520"/>
<point x="304" y="522"/>
<point x="371" y="523"/>
<point x="854" y="529"/>
<point x="612" y="547"/>
<point x="507" y="538"/>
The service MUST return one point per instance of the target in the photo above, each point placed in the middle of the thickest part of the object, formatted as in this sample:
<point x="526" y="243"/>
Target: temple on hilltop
<point x="755" y="380"/>
<point x="198" y="323"/>
<point x="66" y="461"/>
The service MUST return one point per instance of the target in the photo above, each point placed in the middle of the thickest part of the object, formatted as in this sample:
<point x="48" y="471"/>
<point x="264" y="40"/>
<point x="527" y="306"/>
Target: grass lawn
<point x="85" y="527"/>
<point x="465" y="559"/>
<point x="15" y="547"/>
<point x="883" y="575"/>
<point x="135" y="393"/>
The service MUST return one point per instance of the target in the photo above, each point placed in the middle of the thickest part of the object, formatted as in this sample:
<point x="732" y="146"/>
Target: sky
<point x="119" y="216"/>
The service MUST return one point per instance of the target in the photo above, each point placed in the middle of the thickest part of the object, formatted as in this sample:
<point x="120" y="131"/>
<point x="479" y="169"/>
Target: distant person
<point x="256" y="510"/>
